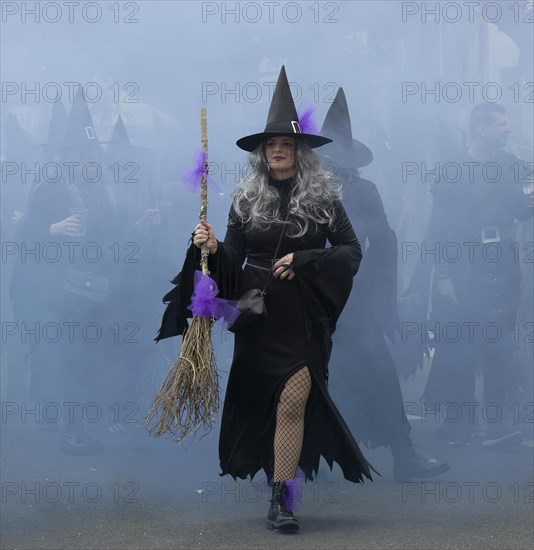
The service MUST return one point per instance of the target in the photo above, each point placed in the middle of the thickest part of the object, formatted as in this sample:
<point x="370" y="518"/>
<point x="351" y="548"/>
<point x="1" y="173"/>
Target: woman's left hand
<point x="282" y="268"/>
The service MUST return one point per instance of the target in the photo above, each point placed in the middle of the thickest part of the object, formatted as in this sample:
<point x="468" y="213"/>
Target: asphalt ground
<point x="145" y="493"/>
<point x="142" y="493"/>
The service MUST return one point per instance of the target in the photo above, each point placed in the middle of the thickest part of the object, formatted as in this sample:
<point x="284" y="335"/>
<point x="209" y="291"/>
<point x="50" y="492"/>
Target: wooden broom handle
<point x="204" y="186"/>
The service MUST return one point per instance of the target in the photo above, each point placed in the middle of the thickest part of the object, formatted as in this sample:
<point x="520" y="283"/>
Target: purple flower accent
<point x="205" y="304"/>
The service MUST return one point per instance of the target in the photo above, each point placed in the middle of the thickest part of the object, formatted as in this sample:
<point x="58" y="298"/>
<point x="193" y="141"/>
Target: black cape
<point x="297" y="332"/>
<point x="368" y="390"/>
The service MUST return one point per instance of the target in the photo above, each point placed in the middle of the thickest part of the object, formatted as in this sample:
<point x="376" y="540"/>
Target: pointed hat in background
<point x="18" y="142"/>
<point x="344" y="150"/>
<point x="80" y="130"/>
<point x="119" y="145"/>
<point x="120" y="148"/>
<point x="57" y="125"/>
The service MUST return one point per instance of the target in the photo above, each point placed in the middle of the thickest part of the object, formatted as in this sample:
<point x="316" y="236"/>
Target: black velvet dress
<point x="296" y="333"/>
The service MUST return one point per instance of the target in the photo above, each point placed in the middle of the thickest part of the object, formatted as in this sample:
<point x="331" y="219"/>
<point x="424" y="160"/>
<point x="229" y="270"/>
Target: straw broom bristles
<point x="188" y="399"/>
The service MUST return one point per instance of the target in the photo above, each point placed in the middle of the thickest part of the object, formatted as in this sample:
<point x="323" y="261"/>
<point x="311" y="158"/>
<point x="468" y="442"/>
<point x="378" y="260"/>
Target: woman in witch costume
<point x="277" y="412"/>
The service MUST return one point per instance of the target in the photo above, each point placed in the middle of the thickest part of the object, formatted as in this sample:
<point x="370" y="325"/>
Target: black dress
<point x="296" y="333"/>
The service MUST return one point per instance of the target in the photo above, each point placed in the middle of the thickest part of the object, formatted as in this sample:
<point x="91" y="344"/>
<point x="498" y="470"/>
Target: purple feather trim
<point x="205" y="304"/>
<point x="191" y="178"/>
<point x="307" y="123"/>
<point x="291" y="495"/>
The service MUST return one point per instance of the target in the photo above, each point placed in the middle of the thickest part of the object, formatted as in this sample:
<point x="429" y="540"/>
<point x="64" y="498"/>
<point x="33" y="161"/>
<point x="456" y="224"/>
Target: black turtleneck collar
<point x="284" y="192"/>
<point x="282" y="184"/>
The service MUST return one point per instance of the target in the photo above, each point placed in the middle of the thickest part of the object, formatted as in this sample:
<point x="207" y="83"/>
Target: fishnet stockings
<point x="290" y="425"/>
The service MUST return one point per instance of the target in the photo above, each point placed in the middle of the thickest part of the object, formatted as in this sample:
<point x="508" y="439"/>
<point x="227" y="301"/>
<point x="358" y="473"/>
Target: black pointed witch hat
<point x="80" y="131"/>
<point x="120" y="148"/>
<point x="119" y="144"/>
<point x="282" y="120"/>
<point x="17" y="140"/>
<point x="56" y="130"/>
<point x="57" y="125"/>
<point x="344" y="151"/>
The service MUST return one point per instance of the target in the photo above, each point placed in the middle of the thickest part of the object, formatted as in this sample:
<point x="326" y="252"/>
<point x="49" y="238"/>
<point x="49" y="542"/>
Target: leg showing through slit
<point x="290" y="425"/>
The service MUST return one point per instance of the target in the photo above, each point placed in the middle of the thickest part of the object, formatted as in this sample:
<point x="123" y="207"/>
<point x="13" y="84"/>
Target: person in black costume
<point x="480" y="290"/>
<point x="72" y="289"/>
<point x="145" y="234"/>
<point x="14" y="198"/>
<point x="370" y="388"/>
<point x="277" y="412"/>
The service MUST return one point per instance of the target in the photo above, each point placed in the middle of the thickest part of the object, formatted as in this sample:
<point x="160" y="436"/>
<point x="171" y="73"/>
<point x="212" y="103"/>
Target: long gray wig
<point x="312" y="197"/>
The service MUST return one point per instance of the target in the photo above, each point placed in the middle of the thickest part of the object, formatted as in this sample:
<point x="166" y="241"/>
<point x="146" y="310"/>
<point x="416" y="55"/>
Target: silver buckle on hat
<point x="296" y="127"/>
<point x="89" y="132"/>
<point x="490" y="234"/>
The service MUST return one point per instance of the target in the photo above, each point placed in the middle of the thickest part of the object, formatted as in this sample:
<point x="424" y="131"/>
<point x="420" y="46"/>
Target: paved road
<point x="149" y="494"/>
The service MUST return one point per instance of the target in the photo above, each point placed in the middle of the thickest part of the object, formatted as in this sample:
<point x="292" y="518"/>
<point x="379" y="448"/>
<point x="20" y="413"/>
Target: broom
<point x="188" y="399"/>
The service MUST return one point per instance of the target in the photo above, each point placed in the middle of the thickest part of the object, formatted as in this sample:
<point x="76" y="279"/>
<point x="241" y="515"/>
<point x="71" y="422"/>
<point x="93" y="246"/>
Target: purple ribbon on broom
<point x="191" y="178"/>
<point x="204" y="302"/>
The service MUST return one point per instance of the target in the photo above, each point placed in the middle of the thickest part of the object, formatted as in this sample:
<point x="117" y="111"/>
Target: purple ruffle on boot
<point x="292" y="495"/>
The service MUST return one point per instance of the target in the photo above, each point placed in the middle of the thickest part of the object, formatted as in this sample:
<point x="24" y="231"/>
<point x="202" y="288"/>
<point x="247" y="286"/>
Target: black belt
<point x="262" y="263"/>
<point x="248" y="264"/>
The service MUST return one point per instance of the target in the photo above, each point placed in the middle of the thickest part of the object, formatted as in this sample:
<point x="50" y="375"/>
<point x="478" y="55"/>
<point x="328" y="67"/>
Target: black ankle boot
<point x="408" y="465"/>
<point x="279" y="517"/>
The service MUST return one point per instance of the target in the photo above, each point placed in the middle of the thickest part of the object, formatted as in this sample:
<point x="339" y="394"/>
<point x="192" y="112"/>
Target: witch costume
<point x="370" y="390"/>
<point x="302" y="315"/>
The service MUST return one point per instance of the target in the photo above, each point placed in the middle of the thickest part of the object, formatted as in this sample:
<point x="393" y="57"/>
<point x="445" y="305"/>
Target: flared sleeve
<point x="224" y="267"/>
<point x="226" y="264"/>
